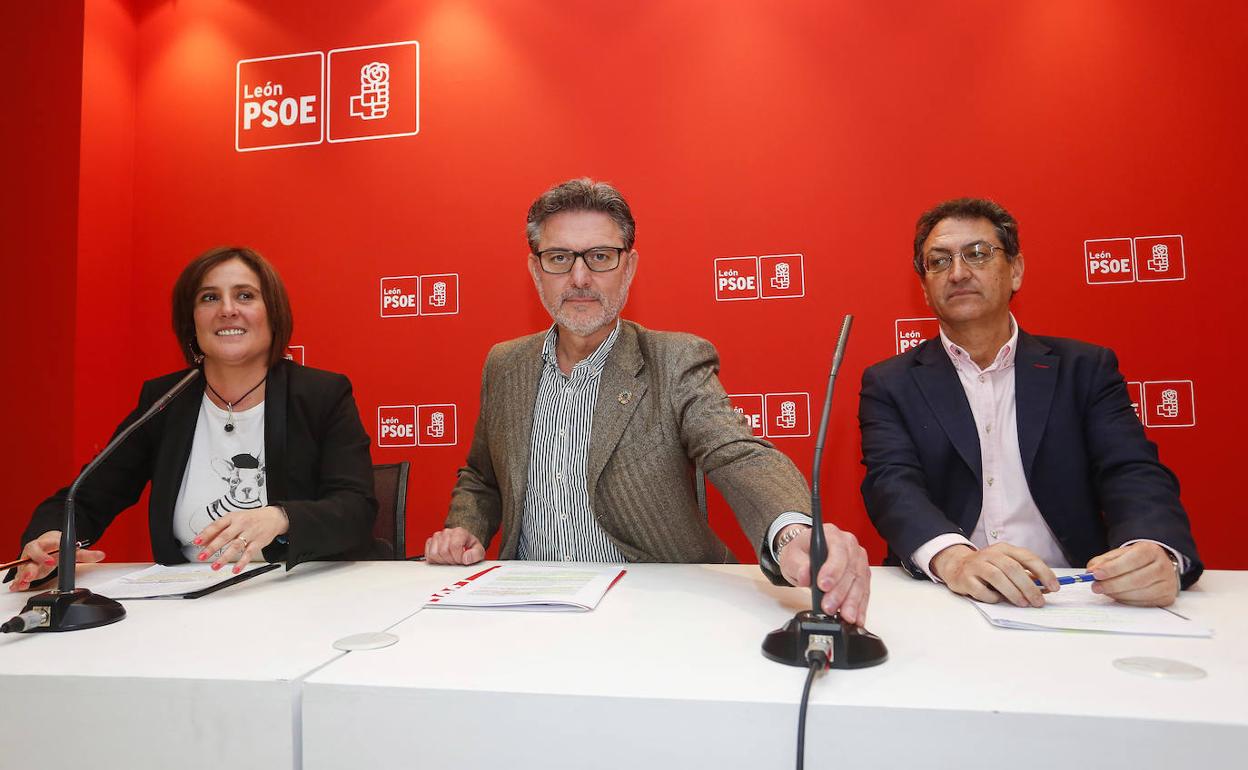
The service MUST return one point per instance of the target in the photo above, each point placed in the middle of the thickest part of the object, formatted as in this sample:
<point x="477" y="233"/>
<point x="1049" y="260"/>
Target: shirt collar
<point x="593" y="364"/>
<point x="1003" y="360"/>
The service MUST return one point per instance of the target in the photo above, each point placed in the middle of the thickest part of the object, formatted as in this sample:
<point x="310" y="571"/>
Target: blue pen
<point x="1066" y="580"/>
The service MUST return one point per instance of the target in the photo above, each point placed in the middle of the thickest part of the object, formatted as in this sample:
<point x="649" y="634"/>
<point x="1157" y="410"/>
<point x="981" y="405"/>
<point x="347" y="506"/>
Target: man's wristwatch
<point x="787" y="536"/>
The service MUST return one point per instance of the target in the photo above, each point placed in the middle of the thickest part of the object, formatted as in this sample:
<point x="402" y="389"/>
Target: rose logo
<point x="375" y="72"/>
<point x="373" y="101"/>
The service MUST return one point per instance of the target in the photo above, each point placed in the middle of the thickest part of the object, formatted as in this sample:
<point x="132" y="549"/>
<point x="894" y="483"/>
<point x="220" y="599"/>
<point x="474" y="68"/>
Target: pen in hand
<point x="1066" y="580"/>
<point x="19" y="562"/>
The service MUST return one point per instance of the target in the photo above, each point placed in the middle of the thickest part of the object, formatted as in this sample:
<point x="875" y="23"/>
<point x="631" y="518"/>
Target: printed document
<point x="1076" y="608"/>
<point x="530" y="587"/>
<point x="179" y="581"/>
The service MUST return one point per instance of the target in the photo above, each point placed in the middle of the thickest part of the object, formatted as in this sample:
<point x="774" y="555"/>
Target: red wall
<point x="734" y="128"/>
<point x="41" y="50"/>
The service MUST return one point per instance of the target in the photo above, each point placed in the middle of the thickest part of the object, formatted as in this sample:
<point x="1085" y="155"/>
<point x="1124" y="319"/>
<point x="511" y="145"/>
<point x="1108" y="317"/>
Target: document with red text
<point x="532" y="587"/>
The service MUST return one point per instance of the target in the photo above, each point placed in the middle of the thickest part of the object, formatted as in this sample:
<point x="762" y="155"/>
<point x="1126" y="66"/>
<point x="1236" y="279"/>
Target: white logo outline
<point x="322" y="117"/>
<point x="1182" y="258"/>
<point x="415" y="425"/>
<point x="1087" y="261"/>
<point x="329" y="95"/>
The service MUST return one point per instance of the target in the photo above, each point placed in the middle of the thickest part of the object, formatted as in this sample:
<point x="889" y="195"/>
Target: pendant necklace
<point x="229" y="405"/>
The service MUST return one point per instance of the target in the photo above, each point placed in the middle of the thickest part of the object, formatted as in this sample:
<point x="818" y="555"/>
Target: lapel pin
<point x="624" y="397"/>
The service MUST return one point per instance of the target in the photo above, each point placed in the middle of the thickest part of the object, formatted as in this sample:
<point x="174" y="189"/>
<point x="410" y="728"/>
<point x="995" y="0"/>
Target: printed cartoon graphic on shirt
<point x="244" y="475"/>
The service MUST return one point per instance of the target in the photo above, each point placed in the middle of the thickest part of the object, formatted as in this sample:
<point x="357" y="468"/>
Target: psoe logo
<point x="736" y="278"/>
<point x="912" y="331"/>
<point x="277" y="101"/>
<point x="398" y="296"/>
<point x="374" y="92"/>
<point x="1108" y="260"/>
<point x="439" y="294"/>
<point x="749" y="409"/>
<point x="1169" y="404"/>
<point x="1160" y="258"/>
<point x="396" y="425"/>
<point x="786" y="415"/>
<point x="295" y="353"/>
<point x="781" y="276"/>
<point x="437" y="425"/>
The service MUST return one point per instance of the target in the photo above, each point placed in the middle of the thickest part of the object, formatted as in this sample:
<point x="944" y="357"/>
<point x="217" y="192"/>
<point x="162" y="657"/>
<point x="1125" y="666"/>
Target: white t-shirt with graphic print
<point x="225" y="472"/>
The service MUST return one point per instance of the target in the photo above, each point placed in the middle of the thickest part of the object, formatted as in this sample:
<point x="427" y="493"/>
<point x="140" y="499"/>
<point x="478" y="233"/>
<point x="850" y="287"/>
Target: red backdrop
<point x="734" y="129"/>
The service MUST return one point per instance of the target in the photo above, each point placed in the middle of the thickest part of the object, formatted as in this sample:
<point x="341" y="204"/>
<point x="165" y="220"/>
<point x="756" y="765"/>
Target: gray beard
<point x="584" y="327"/>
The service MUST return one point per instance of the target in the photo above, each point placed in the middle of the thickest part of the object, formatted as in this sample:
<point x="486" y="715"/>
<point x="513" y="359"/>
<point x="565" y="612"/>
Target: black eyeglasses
<point x="974" y="255"/>
<point x="600" y="259"/>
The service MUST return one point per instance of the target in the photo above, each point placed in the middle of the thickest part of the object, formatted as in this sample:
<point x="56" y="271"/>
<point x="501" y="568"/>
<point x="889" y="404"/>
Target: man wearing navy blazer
<point x="993" y="455"/>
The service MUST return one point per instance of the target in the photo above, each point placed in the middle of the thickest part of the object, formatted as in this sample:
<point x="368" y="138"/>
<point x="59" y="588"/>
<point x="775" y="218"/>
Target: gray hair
<point x="582" y="194"/>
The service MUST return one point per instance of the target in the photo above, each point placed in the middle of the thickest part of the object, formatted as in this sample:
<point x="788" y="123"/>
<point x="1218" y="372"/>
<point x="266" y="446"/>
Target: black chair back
<point x="390" y="529"/>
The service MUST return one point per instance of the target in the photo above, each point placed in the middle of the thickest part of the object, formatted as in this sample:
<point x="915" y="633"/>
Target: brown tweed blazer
<point x="642" y="451"/>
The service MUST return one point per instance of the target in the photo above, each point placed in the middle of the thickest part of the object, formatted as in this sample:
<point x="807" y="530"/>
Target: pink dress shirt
<point x="1008" y="514"/>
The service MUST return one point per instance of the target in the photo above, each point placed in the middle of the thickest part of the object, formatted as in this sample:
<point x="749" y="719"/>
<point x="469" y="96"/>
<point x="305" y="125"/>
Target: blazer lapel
<point x="517" y="396"/>
<point x="619" y="392"/>
<point x="276" y="395"/>
<point x="1035" y="377"/>
<point x="180" y="418"/>
<point x="938" y="382"/>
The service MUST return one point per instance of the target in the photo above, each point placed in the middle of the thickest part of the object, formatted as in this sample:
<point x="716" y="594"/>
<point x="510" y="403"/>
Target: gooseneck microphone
<point x="814" y="632"/>
<point x="69" y="608"/>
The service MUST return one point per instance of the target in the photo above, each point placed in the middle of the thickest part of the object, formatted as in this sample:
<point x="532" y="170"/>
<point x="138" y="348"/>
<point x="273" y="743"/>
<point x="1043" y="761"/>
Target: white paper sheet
<point x="530" y="587"/>
<point x="161" y="582"/>
<point x="1076" y="608"/>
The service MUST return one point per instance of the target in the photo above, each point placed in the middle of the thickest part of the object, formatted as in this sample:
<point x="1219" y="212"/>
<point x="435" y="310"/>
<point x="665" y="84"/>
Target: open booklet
<point x="1076" y="608"/>
<point x="530" y="587"/>
<point x="179" y="581"/>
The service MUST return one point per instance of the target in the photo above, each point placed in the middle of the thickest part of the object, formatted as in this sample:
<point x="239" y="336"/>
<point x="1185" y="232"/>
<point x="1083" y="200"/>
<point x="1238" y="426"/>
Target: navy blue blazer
<point x="1095" y="477"/>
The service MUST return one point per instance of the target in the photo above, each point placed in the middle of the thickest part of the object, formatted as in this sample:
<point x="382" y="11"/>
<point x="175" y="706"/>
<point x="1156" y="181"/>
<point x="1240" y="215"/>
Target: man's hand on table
<point x="1000" y="571"/>
<point x="454" y="546"/>
<point x="1141" y="574"/>
<point x="845" y="578"/>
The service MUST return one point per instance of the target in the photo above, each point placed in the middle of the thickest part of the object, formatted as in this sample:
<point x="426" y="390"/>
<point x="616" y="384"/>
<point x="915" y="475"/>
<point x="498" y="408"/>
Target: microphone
<point x="812" y="633"/>
<point x="72" y="609"/>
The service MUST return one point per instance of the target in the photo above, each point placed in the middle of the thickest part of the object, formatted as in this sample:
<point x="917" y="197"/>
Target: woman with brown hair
<point x="259" y="458"/>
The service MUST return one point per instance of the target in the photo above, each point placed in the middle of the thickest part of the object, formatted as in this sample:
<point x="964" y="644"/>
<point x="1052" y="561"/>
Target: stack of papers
<point x="180" y="581"/>
<point x="530" y="587"/>
<point x="1076" y="608"/>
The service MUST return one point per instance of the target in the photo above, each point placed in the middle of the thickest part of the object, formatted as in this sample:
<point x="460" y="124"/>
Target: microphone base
<point x="851" y="646"/>
<point x="75" y="610"/>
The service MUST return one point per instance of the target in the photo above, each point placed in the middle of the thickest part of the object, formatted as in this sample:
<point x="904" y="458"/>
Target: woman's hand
<point x="42" y="561"/>
<point x="241" y="536"/>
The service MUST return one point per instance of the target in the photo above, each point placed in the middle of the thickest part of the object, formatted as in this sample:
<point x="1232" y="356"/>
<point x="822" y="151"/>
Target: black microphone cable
<point x="817" y="657"/>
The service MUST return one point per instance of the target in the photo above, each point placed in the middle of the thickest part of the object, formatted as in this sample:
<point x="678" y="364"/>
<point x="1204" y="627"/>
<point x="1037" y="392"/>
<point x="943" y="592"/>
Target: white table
<point x="667" y="672"/>
<point x="205" y="683"/>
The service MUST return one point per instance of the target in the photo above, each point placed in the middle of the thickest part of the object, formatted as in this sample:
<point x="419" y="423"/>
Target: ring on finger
<point x="243" y="540"/>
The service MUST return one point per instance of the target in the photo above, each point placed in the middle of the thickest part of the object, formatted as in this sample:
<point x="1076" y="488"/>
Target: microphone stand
<point x="72" y="609"/>
<point x="846" y="645"/>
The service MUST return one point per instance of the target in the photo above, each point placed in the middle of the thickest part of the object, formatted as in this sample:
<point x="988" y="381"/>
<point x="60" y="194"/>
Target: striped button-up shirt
<point x="558" y="522"/>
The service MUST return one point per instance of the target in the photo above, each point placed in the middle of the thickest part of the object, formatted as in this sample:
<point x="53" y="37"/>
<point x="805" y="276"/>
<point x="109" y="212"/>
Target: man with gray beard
<point x="589" y="433"/>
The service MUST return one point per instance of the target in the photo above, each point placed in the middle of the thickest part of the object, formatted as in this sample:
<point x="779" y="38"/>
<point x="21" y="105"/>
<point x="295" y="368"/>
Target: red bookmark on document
<point x="453" y="587"/>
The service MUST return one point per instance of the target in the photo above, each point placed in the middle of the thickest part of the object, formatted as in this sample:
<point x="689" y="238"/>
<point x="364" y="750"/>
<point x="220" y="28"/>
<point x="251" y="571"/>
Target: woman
<point x="258" y="458"/>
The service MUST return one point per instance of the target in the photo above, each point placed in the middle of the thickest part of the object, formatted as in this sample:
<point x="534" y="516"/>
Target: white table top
<point x="275" y="627"/>
<point x="693" y="632"/>
<point x="249" y="674"/>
